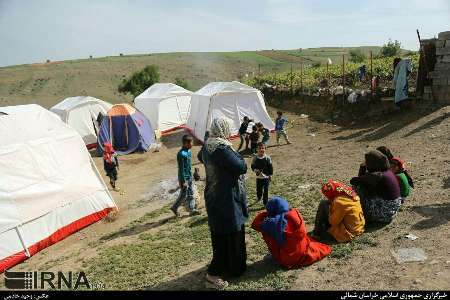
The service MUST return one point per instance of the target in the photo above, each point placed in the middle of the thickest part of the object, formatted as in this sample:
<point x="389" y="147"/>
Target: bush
<point x="356" y="56"/>
<point x="182" y="82"/>
<point x="390" y="49"/>
<point x="140" y="81"/>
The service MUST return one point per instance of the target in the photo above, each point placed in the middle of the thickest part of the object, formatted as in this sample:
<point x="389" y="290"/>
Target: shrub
<point x="140" y="81"/>
<point x="182" y="82"/>
<point x="390" y="49"/>
<point x="356" y="56"/>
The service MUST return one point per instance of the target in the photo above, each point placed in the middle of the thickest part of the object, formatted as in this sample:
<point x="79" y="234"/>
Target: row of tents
<point x="49" y="184"/>
<point x="163" y="107"/>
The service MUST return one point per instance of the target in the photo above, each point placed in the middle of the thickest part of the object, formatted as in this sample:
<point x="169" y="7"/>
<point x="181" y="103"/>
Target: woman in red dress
<point x="284" y="232"/>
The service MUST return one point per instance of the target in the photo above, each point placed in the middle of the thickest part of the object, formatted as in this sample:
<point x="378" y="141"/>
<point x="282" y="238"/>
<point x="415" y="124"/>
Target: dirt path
<point x="320" y="151"/>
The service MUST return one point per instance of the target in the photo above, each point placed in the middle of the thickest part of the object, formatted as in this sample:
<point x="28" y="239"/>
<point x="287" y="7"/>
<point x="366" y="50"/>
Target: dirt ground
<point x="320" y="151"/>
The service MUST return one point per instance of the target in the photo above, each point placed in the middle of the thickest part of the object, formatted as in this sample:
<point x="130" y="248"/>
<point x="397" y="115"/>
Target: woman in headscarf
<point x="378" y="189"/>
<point x="340" y="216"/>
<point x="284" y="232"/>
<point x="226" y="204"/>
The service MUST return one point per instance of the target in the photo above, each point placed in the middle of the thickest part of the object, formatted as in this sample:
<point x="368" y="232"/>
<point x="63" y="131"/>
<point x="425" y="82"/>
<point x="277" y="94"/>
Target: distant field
<point x="48" y="83"/>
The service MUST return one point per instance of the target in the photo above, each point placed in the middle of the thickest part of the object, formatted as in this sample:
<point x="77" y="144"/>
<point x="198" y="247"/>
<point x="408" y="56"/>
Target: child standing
<point x="254" y="138"/>
<point x="243" y="133"/>
<point x="264" y="132"/>
<point x="263" y="168"/>
<point x="110" y="164"/>
<point x="184" y="160"/>
<point x="279" y="127"/>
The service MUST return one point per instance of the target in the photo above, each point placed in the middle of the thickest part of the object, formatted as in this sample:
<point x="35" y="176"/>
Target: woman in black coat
<point x="226" y="204"/>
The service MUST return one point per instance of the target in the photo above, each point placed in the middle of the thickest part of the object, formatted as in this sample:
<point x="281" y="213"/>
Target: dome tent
<point x="127" y="129"/>
<point x="232" y="100"/>
<point x="82" y="114"/>
<point x="166" y="105"/>
<point x="49" y="188"/>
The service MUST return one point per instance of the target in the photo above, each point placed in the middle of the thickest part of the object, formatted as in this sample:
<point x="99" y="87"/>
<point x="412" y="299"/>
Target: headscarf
<point x="376" y="161"/>
<point x="386" y="151"/>
<point x="400" y="163"/>
<point x="219" y="132"/>
<point x="402" y="167"/>
<point x="333" y="189"/>
<point x="275" y="223"/>
<point x="108" y="152"/>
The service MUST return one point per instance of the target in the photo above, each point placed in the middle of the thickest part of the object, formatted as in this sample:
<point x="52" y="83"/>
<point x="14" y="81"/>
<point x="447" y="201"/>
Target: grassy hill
<point x="48" y="83"/>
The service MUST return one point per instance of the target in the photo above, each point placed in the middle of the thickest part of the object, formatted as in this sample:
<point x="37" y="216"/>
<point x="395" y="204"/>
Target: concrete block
<point x="444" y="35"/>
<point x="443" y="51"/>
<point x="442" y="66"/>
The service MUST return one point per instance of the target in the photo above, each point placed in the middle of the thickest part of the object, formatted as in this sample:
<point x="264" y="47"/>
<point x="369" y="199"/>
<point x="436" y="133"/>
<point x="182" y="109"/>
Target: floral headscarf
<point x="219" y="132"/>
<point x="108" y="152"/>
<point x="333" y="189"/>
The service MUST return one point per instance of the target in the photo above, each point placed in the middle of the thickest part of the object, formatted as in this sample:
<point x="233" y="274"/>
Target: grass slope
<point x="49" y="83"/>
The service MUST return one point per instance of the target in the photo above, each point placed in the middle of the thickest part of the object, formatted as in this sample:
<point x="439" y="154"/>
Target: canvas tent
<point x="127" y="129"/>
<point x="49" y="186"/>
<point x="232" y="100"/>
<point x="166" y="105"/>
<point x="82" y="114"/>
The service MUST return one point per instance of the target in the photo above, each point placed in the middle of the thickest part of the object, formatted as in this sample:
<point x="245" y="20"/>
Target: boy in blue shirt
<point x="279" y="127"/>
<point x="184" y="160"/>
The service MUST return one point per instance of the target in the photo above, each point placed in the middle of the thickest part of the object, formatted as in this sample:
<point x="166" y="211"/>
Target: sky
<point x="35" y="30"/>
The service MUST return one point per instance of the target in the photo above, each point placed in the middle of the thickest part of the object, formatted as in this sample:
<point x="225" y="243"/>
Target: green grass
<point x="175" y="254"/>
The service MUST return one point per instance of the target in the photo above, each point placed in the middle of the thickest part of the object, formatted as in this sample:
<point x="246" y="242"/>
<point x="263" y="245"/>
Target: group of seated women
<point x="374" y="196"/>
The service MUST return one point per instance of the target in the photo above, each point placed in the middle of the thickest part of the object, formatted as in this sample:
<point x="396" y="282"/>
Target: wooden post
<point x="259" y="69"/>
<point x="328" y="75"/>
<point x="291" y="79"/>
<point x="343" y="76"/>
<point x="371" y="73"/>
<point x="301" y="76"/>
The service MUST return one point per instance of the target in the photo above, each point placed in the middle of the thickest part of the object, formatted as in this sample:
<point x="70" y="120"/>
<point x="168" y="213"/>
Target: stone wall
<point x="441" y="73"/>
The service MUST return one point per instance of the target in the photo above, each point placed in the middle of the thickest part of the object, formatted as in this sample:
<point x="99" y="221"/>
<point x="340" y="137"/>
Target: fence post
<point x="291" y="78"/>
<point x="259" y="70"/>
<point x="371" y="73"/>
<point x="301" y="76"/>
<point x="343" y="77"/>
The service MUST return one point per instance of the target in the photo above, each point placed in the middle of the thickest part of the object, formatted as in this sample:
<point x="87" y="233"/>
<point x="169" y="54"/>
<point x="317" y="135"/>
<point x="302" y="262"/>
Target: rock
<point x="417" y="281"/>
<point x="434" y="262"/>
<point x="409" y="255"/>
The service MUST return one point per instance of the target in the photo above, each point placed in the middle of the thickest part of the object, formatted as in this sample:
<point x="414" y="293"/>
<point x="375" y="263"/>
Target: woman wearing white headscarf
<point x="226" y="204"/>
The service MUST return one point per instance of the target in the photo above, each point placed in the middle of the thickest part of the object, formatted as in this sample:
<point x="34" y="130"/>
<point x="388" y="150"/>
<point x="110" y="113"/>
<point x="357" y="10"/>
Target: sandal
<point x="214" y="282"/>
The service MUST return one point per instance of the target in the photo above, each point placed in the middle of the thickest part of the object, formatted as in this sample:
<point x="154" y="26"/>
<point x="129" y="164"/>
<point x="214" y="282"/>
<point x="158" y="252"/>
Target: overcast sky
<point x="36" y="30"/>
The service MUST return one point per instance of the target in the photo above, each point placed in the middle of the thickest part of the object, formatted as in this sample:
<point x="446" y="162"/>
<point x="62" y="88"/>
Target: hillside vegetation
<point x="48" y="83"/>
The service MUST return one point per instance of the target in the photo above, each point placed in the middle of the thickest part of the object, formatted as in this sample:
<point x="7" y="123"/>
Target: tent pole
<point x="102" y="181"/>
<point x="23" y="242"/>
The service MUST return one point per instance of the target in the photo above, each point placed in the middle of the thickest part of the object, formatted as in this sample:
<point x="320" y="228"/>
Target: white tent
<point x="232" y="100"/>
<point x="81" y="113"/>
<point x="49" y="185"/>
<point x="166" y="105"/>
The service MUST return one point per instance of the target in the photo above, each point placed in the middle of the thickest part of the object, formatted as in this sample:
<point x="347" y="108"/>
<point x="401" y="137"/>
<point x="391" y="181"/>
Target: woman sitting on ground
<point x="285" y="234"/>
<point x="378" y="189"/>
<point x="340" y="216"/>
